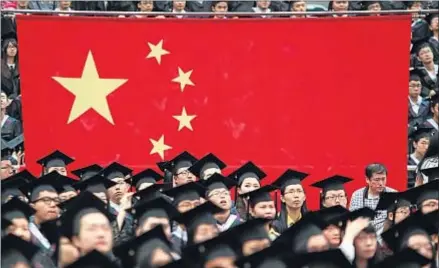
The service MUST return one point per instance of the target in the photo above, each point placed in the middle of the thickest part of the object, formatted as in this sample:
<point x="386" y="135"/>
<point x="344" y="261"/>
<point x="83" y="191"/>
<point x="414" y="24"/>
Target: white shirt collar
<point x="417" y="102"/>
<point x="115" y="206"/>
<point x="258" y="10"/>
<point x="4" y="119"/>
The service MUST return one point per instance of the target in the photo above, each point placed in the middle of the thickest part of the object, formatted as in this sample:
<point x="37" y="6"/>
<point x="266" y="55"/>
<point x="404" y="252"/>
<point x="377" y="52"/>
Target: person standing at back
<point x="369" y="196"/>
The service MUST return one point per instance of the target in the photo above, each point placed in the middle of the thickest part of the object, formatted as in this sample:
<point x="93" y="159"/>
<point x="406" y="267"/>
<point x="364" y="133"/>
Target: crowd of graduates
<point x="191" y="214"/>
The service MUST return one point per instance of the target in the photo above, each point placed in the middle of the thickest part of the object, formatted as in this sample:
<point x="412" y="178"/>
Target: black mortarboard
<point x="87" y="172"/>
<point x="253" y="229"/>
<point x="398" y="235"/>
<point x="147" y="175"/>
<point x="333" y="215"/>
<point x="94" y="184"/>
<point x="248" y="170"/>
<point x="158" y="207"/>
<point x="208" y="161"/>
<point x="76" y="208"/>
<point x="364" y="212"/>
<point x="5" y="224"/>
<point x="432" y="217"/>
<point x="416" y="75"/>
<point x="330" y="258"/>
<point x="138" y="250"/>
<point x="15" y="208"/>
<point x="271" y="257"/>
<point x="150" y="192"/>
<point x="332" y="183"/>
<point x="6" y="151"/>
<point x="419" y="194"/>
<point x="407" y="258"/>
<point x="297" y="236"/>
<point x="55" y="159"/>
<point x="189" y="191"/>
<point x="67" y="183"/>
<point x="115" y="170"/>
<point x="391" y="201"/>
<point x="183" y="160"/>
<point x="17" y="251"/>
<point x="259" y="195"/>
<point x="93" y="259"/>
<point x="17" y="143"/>
<point x="50" y="182"/>
<point x="420" y="132"/>
<point x="24" y="174"/>
<point x="218" y="181"/>
<point x="11" y="186"/>
<point x="289" y="177"/>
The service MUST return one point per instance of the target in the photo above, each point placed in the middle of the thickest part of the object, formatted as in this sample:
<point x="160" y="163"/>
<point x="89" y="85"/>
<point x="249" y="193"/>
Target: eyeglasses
<point x="48" y="200"/>
<point x="219" y="193"/>
<point x="335" y="197"/>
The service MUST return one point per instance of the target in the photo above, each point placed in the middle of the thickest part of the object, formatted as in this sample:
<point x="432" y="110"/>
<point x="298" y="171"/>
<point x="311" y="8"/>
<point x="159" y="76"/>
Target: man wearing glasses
<point x="369" y="196"/>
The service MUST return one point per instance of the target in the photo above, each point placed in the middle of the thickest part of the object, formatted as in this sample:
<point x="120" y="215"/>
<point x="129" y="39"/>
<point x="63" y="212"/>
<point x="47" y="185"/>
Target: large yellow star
<point x="184" y="120"/>
<point x="184" y="78"/>
<point x="157" y="51"/>
<point x="159" y="147"/>
<point x="90" y="90"/>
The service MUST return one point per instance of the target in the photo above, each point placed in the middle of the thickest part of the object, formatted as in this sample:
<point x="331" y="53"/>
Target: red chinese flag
<point x="324" y="96"/>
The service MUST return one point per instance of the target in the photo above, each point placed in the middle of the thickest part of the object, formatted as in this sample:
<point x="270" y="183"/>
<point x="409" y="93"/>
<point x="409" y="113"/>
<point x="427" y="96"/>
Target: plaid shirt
<point x="360" y="199"/>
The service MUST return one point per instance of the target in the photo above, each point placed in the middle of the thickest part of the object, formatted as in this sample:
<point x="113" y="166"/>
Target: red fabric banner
<point x="324" y="96"/>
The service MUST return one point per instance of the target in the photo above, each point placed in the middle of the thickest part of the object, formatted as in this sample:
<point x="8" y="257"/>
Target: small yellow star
<point x="157" y="51"/>
<point x="184" y="120"/>
<point x="184" y="78"/>
<point x="90" y="90"/>
<point x="159" y="146"/>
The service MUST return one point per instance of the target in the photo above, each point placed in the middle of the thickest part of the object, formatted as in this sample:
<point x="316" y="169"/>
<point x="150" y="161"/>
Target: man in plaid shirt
<point x="368" y="196"/>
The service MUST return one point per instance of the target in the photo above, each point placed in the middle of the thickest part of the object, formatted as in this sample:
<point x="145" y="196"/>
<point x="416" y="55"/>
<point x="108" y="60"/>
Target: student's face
<point x="65" y="4"/>
<point x="425" y="55"/>
<point x="6" y="169"/>
<point x="435" y="110"/>
<point x="294" y="196"/>
<point x="401" y="214"/>
<point x="253" y="246"/>
<point x="299" y="6"/>
<point x="159" y="258"/>
<point x="374" y="7"/>
<point x="22" y="3"/>
<point x="60" y="170"/>
<point x="415" y="88"/>
<point x="429" y="205"/>
<point x="3" y="100"/>
<point x="187" y="205"/>
<point x="434" y="25"/>
<point x="248" y="185"/>
<point x="116" y="192"/>
<point x="67" y="195"/>
<point x="333" y="235"/>
<point x="377" y="182"/>
<point x="263" y="4"/>
<point x="183" y="176"/>
<point x="365" y="245"/>
<point x="179" y="5"/>
<point x="204" y="232"/>
<point x="421" y="244"/>
<point x="220" y="7"/>
<point x="46" y="206"/>
<point x="221" y="262"/>
<point x="317" y="243"/>
<point x="20" y="228"/>
<point x="221" y="197"/>
<point x="11" y="50"/>
<point x="95" y="233"/>
<point x="265" y="210"/>
<point x="145" y="6"/>
<point x="335" y="198"/>
<point x="152" y="222"/>
<point x="422" y="145"/>
<point x="416" y="6"/>
<point x="340" y="5"/>
<point x="20" y="264"/>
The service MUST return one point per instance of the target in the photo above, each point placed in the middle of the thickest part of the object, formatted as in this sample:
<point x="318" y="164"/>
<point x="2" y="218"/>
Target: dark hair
<point x="214" y="3"/>
<point x="421" y="46"/>
<point x="375" y="168"/>
<point x="78" y="218"/>
<point x="418" y="137"/>
<point x="322" y="196"/>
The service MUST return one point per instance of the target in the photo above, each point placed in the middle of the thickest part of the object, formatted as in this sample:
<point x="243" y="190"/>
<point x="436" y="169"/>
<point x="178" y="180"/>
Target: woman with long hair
<point x="9" y="68"/>
<point x="293" y="198"/>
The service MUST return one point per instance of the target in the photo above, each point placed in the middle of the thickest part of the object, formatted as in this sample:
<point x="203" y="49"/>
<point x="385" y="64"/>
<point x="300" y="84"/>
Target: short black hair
<point x="79" y="216"/>
<point x="375" y="168"/>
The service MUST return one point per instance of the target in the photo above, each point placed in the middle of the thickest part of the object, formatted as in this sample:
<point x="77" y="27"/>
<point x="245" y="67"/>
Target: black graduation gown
<point x="421" y="116"/>
<point x="11" y="129"/>
<point x="121" y="6"/>
<point x="162" y="5"/>
<point x="14" y="109"/>
<point x="241" y="6"/>
<point x="127" y="230"/>
<point x="8" y="27"/>
<point x="88" y="5"/>
<point x="10" y="81"/>
<point x="195" y="6"/>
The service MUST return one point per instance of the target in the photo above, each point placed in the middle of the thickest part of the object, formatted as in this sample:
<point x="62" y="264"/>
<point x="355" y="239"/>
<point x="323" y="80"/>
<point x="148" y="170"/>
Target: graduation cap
<point x="5" y="224"/>
<point x="289" y="177"/>
<point x="150" y="192"/>
<point x="333" y="215"/>
<point x="297" y="236"/>
<point x="15" y="208"/>
<point x="253" y="229"/>
<point x="181" y="263"/>
<point x="11" y="186"/>
<point x="17" y="251"/>
<point x="398" y="235"/>
<point x="93" y="259"/>
<point x="94" y="184"/>
<point x="138" y="250"/>
<point x="55" y="159"/>
<point x="364" y="212"/>
<point x="419" y="194"/>
<point x="158" y="207"/>
<point x="391" y="201"/>
<point x="420" y="132"/>
<point x="53" y="182"/>
<point x="330" y="258"/>
<point x="218" y="181"/>
<point x="333" y="183"/>
<point x="432" y="217"/>
<point x="145" y="176"/>
<point x="202" y="214"/>
<point x="115" y="170"/>
<point x="6" y="151"/>
<point x="416" y="75"/>
<point x="406" y="258"/>
<point x="248" y="170"/>
<point x="189" y="191"/>
<point x="259" y="195"/>
<point x="87" y="172"/>
<point x="207" y="162"/>
<point x="78" y="207"/>
<point x="271" y="257"/>
<point x="183" y="160"/>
